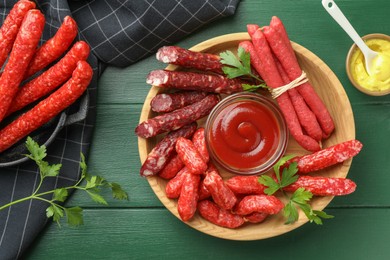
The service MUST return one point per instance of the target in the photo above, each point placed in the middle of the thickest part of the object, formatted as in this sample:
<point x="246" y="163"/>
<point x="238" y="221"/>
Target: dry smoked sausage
<point x="220" y="193"/>
<point x="11" y="26"/>
<point x="190" y="156"/>
<point x="327" y="157"/>
<point x="47" y="108"/>
<point x="22" y="52"/>
<point x="186" y="205"/>
<point x="176" y="119"/>
<point x="221" y="217"/>
<point x="160" y="154"/>
<point x="194" y="81"/>
<point x="50" y="79"/>
<point x="199" y="141"/>
<point x="189" y="59"/>
<point x="53" y="48"/>
<point x="323" y="186"/>
<point x="259" y="203"/>
<point x="171" y="168"/>
<point x="245" y="185"/>
<point x="167" y="102"/>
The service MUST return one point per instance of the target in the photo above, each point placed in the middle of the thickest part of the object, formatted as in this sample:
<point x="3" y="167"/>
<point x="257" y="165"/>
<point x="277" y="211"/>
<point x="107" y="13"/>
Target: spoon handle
<point x="334" y="11"/>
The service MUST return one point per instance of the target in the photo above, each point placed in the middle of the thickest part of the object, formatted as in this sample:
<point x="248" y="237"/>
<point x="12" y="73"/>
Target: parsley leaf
<point x="37" y="153"/>
<point x="60" y="194"/>
<point x="51" y="170"/>
<point x="290" y="212"/>
<point x="83" y="166"/>
<point x="280" y="163"/>
<point x="74" y="216"/>
<point x="272" y="185"/>
<point x="300" y="198"/>
<point x="55" y="211"/>
<point x="288" y="176"/>
<point x="97" y="197"/>
<point x="118" y="192"/>
<point x="240" y="65"/>
<point x="252" y="88"/>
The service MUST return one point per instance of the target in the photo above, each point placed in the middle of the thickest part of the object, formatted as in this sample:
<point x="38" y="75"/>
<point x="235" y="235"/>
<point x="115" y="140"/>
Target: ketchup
<point x="245" y="134"/>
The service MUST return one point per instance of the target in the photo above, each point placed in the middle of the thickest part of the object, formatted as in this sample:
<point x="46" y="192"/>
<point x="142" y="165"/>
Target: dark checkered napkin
<point x="123" y="32"/>
<point x="120" y="32"/>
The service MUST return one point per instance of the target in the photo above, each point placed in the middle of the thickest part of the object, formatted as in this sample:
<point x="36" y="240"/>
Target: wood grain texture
<point x="335" y="99"/>
<point x="144" y="234"/>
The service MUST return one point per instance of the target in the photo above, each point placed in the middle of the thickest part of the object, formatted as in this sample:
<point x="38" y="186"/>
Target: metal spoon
<point x="373" y="60"/>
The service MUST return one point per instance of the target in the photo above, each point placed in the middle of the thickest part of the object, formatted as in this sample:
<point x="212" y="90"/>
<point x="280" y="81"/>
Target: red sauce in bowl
<point x="246" y="133"/>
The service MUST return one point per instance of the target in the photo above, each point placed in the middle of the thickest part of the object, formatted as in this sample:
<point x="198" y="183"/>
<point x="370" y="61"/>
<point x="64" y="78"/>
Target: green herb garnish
<point x="93" y="185"/>
<point x="300" y="198"/>
<point x="238" y="66"/>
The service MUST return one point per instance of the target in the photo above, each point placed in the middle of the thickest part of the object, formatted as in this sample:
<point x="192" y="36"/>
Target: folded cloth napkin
<point x="120" y="33"/>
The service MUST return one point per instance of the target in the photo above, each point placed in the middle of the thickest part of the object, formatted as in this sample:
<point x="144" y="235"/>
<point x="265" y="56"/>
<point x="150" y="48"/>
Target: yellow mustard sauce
<point x="380" y="79"/>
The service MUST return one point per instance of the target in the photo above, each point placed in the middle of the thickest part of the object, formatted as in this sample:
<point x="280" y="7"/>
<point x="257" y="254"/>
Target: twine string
<point x="276" y="92"/>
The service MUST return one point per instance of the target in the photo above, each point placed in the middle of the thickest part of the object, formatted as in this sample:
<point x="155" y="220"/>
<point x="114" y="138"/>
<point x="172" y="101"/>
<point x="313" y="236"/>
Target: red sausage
<point x="186" y="205"/>
<point x="160" y="154"/>
<point x="323" y="186"/>
<point x="199" y="141"/>
<point x="190" y="156"/>
<point x="278" y="26"/>
<point x="194" y="81"/>
<point x="245" y="185"/>
<point x="255" y="217"/>
<point x="176" y="119"/>
<point x="11" y="26"/>
<point x="171" y="168"/>
<point x="220" y="193"/>
<point x="167" y="102"/>
<point x="20" y="57"/>
<point x="327" y="157"/>
<point x="189" y="59"/>
<point x="47" y="108"/>
<point x="252" y="28"/>
<point x="290" y="63"/>
<point x="50" y="79"/>
<point x="53" y="48"/>
<point x="306" y="117"/>
<point x="204" y="193"/>
<point x="173" y="188"/>
<point x="259" y="203"/>
<point x="220" y="217"/>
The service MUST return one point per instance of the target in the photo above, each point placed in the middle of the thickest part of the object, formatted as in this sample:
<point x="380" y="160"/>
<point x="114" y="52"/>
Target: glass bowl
<point x="246" y="133"/>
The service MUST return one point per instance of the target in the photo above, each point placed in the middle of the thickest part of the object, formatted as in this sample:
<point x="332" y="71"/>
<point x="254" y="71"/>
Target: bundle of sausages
<point x="65" y="81"/>
<point x="274" y="59"/>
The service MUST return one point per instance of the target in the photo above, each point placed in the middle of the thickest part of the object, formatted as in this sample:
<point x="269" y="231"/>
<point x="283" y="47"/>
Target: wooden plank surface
<point x="142" y="228"/>
<point x="144" y="234"/>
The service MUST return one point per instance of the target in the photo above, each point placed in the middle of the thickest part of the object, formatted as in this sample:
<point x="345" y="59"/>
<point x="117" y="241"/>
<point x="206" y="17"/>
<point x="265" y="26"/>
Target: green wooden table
<point x="143" y="229"/>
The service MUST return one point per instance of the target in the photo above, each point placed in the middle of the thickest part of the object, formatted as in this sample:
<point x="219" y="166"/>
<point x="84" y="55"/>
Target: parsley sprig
<point x="300" y="198"/>
<point x="93" y="185"/>
<point x="238" y="66"/>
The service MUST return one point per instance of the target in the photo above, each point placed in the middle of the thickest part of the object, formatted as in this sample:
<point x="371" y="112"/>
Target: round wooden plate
<point x="333" y="95"/>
